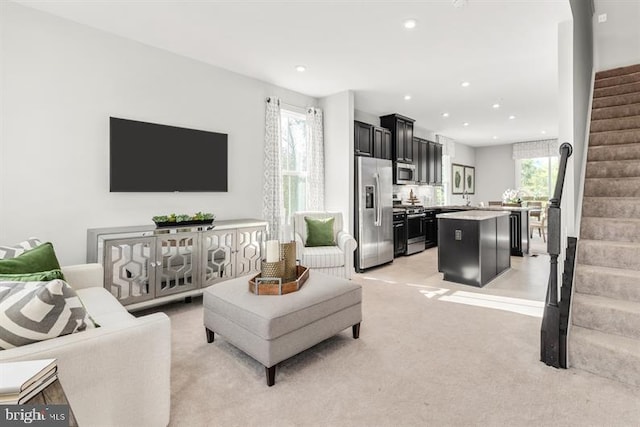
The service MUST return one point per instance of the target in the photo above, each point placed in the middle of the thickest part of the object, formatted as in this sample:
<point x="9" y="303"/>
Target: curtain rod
<point x="291" y="106"/>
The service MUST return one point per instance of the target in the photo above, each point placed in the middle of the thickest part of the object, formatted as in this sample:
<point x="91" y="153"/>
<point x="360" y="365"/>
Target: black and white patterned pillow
<point x="38" y="311"/>
<point x="8" y="252"/>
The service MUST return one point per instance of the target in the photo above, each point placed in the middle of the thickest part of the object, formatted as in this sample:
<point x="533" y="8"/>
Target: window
<point x="537" y="177"/>
<point x="294" y="162"/>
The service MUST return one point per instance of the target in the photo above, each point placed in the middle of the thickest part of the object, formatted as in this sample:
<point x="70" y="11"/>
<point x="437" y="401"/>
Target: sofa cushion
<point x="37" y="311"/>
<point x="38" y="259"/>
<point x="323" y="257"/>
<point x="103" y="307"/>
<point x="7" y="252"/>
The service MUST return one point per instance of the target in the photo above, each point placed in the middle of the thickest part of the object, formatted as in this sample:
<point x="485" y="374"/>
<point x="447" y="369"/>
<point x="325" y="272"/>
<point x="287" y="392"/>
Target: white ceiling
<point x="506" y="49"/>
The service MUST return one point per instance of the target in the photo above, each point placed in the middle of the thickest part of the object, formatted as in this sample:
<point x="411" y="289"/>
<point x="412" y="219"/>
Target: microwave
<point x="404" y="173"/>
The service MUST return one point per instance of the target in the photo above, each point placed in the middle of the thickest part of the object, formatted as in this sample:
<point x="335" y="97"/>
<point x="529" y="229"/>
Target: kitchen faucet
<point x="466" y="196"/>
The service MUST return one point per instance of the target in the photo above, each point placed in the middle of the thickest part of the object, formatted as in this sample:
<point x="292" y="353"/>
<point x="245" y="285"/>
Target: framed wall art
<point x="470" y="179"/>
<point x="457" y="179"/>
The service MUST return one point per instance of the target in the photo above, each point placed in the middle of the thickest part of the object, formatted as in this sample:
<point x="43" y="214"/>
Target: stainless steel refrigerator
<point x="373" y="212"/>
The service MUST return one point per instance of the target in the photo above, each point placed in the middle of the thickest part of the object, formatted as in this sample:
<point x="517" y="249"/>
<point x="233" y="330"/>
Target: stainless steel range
<point x="414" y="228"/>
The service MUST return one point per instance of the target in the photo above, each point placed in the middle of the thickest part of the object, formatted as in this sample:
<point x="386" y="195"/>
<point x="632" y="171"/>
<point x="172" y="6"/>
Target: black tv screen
<point x="148" y="157"/>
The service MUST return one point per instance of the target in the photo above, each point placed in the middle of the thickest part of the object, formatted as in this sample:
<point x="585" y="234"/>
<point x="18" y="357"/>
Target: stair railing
<point x="550" y="330"/>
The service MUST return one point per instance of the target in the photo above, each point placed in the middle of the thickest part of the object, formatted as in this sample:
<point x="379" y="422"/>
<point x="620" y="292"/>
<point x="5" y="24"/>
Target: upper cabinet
<point x="382" y="143"/>
<point x="363" y="139"/>
<point x="401" y="136"/>
<point x="435" y="163"/>
<point x="372" y="141"/>
<point x="421" y="160"/>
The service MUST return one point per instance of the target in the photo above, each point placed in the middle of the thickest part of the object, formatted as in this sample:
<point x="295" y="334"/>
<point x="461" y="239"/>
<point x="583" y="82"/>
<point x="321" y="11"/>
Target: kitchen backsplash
<point x="427" y="194"/>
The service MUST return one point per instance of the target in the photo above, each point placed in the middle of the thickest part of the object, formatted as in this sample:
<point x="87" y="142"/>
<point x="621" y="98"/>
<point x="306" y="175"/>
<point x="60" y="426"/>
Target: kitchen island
<point x="473" y="246"/>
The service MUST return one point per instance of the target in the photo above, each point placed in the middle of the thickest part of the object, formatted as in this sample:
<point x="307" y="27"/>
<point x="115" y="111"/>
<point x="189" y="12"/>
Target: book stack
<point x="20" y="381"/>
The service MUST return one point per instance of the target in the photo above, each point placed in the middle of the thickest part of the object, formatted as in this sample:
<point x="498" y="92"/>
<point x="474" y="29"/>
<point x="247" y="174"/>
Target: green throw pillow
<point x="36" y="260"/>
<point x="43" y="276"/>
<point x="320" y="231"/>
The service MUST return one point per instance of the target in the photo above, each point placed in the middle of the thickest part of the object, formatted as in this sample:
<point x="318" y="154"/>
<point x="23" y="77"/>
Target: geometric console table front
<point x="145" y="265"/>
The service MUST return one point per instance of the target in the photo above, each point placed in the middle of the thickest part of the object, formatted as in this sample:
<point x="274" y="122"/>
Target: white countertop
<point x="473" y="215"/>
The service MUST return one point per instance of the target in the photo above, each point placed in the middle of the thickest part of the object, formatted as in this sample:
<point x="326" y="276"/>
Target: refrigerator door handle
<point x="378" y="221"/>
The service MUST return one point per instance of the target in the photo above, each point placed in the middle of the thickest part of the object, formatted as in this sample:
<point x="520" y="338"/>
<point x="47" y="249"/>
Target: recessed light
<point x="410" y="24"/>
<point x="465" y="84"/>
<point x="301" y="68"/>
<point x="496" y="106"/>
<point x="465" y="124"/>
<point x="512" y="117"/>
<point x="407" y="97"/>
<point x="543" y="132"/>
<point x="445" y="114"/>
<point x="495" y="137"/>
<point x="459" y="3"/>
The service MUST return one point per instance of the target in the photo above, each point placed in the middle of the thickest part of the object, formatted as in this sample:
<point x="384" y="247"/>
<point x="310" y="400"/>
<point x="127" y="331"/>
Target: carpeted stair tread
<point x="616" y="187"/>
<point x="606" y="253"/>
<point x="615" y="123"/>
<point x="616" y="111"/>
<point x="611" y="207"/>
<point x="609" y="315"/>
<point x="614" y="152"/>
<point x="617" y="80"/>
<point x="607" y="355"/>
<point x="606" y="281"/>
<point x="610" y="229"/>
<point x="613" y="169"/>
<point x="611" y="101"/>
<point x="614" y="137"/>
<point x="620" y="71"/>
<point x="616" y="90"/>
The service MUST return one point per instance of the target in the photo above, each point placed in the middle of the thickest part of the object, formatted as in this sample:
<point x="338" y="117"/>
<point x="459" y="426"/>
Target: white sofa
<point x="114" y="375"/>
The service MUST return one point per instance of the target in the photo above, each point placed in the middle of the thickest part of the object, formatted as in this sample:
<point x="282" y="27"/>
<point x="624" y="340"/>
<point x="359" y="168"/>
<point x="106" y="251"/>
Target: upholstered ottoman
<point x="272" y="328"/>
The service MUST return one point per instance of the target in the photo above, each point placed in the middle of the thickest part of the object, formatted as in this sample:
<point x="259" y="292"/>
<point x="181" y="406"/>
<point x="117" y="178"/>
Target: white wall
<point x="60" y="83"/>
<point x="617" y="41"/>
<point x="582" y="84"/>
<point x="363" y="116"/>
<point x="495" y="172"/>
<point x="338" y="152"/>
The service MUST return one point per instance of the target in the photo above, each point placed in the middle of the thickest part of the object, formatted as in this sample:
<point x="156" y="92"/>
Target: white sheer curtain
<point x="315" y="157"/>
<point x="272" y="201"/>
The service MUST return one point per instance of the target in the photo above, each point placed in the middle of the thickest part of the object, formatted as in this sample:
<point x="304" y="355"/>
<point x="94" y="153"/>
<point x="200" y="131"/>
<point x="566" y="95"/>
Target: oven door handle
<point x="414" y="216"/>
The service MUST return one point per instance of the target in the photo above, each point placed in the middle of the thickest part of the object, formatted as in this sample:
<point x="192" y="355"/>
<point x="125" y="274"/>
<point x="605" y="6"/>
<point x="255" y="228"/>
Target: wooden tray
<point x="274" y="286"/>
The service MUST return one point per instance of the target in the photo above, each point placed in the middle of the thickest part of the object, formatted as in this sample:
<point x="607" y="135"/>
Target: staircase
<point x="605" y="334"/>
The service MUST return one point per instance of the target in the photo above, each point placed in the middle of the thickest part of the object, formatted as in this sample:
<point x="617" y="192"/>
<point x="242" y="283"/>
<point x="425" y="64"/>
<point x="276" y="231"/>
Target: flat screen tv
<point x="148" y="157"/>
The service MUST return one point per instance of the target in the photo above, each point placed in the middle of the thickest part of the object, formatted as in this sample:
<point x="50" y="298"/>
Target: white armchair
<point x="336" y="260"/>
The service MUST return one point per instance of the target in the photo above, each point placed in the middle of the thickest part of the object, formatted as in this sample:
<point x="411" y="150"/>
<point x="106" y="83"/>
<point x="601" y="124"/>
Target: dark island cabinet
<point x="382" y="143"/>
<point x="363" y="139"/>
<point x="401" y="136"/>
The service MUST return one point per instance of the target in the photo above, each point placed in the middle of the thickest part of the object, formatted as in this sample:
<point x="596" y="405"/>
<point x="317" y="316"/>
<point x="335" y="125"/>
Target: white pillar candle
<point x="273" y="251"/>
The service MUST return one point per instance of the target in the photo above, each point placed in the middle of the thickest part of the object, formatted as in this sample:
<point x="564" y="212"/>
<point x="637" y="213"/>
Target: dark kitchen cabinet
<point x="519" y="232"/>
<point x="401" y="136"/>
<point x="434" y="163"/>
<point x="363" y="139"/>
<point x="382" y="143"/>
<point x="421" y="160"/>
<point x="430" y="229"/>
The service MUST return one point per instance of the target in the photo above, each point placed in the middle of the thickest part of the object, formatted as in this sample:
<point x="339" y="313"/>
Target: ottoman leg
<point x="271" y="375"/>
<point x="356" y="331"/>
<point x="209" y="335"/>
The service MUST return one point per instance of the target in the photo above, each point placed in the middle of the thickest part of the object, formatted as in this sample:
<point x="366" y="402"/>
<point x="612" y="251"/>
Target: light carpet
<point x="420" y="361"/>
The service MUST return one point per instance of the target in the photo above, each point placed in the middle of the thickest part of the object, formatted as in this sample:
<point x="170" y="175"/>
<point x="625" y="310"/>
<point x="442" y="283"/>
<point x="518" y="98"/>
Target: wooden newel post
<point x="550" y="330"/>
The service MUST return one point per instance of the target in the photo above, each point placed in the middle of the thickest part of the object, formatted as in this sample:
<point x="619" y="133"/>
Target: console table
<point x="145" y="265"/>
